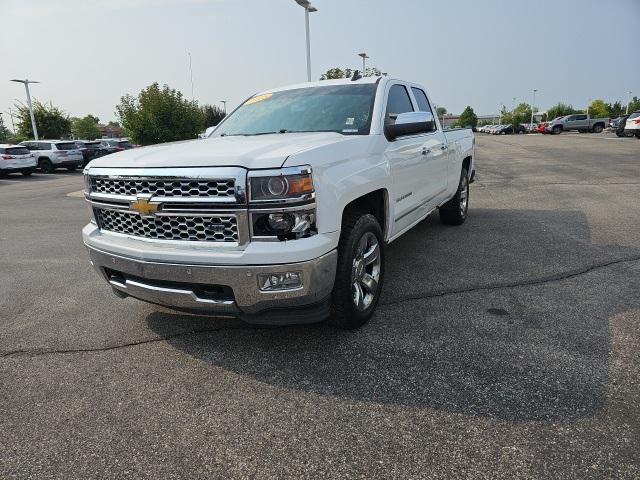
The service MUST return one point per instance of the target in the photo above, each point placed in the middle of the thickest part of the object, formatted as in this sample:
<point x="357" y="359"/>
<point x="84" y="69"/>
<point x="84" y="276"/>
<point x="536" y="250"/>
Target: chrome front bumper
<point x="180" y="286"/>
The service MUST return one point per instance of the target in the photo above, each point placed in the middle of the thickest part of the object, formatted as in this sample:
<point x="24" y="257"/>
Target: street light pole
<point x="532" y="107"/>
<point x="224" y="106"/>
<point x="26" y="83"/>
<point x="627" y="110"/>
<point x="308" y="8"/>
<point x="364" y="65"/>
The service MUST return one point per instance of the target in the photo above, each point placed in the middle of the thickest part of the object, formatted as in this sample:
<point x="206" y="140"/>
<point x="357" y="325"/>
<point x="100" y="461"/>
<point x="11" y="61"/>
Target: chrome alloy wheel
<point x="464" y="195"/>
<point x="365" y="272"/>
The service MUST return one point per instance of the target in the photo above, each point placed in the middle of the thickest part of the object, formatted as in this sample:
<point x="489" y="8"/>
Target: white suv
<point x="16" y="158"/>
<point x="52" y="154"/>
<point x="632" y="127"/>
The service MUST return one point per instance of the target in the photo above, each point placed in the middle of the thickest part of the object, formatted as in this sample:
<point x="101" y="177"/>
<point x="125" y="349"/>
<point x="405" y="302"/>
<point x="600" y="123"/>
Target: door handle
<point x="425" y="151"/>
<point x="444" y="147"/>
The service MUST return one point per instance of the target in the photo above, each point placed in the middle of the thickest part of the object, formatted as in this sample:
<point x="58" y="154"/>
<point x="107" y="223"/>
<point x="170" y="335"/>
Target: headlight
<point x="281" y="186"/>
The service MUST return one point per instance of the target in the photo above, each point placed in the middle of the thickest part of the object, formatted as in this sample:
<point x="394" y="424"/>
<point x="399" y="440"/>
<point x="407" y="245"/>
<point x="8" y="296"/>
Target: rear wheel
<point x="360" y="271"/>
<point x="454" y="212"/>
<point x="45" y="165"/>
<point x="597" y="128"/>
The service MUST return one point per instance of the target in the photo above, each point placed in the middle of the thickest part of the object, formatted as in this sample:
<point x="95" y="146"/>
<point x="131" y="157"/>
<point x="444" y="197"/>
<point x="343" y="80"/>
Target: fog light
<point x="268" y="282"/>
<point x="280" y="222"/>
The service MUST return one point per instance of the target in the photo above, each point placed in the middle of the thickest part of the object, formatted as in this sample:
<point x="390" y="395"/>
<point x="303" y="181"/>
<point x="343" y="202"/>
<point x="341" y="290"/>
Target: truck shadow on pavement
<point x="506" y="317"/>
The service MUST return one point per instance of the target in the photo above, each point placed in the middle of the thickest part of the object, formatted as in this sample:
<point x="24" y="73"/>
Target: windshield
<point x="125" y="144"/>
<point x="634" y="115"/>
<point x="344" y="109"/>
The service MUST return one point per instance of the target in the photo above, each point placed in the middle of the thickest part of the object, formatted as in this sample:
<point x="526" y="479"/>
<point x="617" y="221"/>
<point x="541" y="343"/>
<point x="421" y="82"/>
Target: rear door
<point x="437" y="159"/>
<point x="581" y="121"/>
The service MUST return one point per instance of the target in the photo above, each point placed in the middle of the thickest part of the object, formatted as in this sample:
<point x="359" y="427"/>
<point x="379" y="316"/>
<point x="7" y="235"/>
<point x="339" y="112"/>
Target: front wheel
<point x="360" y="271"/>
<point x="556" y="130"/>
<point x="454" y="212"/>
<point x="45" y="165"/>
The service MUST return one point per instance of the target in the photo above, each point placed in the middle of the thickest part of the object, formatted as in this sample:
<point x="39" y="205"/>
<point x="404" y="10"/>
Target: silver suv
<point x="52" y="154"/>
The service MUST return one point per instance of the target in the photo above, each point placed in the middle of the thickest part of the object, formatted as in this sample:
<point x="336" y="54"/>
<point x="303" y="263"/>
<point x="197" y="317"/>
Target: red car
<point x="541" y="127"/>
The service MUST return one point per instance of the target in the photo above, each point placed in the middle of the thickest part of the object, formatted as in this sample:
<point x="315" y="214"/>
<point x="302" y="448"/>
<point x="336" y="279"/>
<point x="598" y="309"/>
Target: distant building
<point x="110" y="131"/>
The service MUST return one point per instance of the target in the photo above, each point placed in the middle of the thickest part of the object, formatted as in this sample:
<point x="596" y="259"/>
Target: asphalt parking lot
<point x="505" y="348"/>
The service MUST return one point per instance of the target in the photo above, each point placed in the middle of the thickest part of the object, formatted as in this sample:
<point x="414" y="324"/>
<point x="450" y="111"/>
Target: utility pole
<point x="13" y="127"/>
<point x="191" y="74"/>
<point x="308" y="8"/>
<point x="628" y="95"/>
<point x="533" y="107"/>
<point x="364" y="65"/>
<point x="26" y="83"/>
<point x="224" y="106"/>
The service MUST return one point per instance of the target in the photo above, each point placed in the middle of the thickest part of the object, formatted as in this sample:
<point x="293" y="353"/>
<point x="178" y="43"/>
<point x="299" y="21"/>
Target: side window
<point x="398" y="102"/>
<point x="421" y="98"/>
<point x="44" y="146"/>
<point x="581" y="117"/>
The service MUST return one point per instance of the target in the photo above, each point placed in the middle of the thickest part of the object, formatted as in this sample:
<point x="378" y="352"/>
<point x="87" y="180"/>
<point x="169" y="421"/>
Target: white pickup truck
<point x="283" y="213"/>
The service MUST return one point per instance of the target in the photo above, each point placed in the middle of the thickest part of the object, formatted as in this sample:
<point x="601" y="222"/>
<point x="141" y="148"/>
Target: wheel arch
<point x="375" y="202"/>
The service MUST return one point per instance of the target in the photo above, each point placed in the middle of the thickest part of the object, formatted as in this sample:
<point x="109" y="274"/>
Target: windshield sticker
<point x="258" y="98"/>
<point x="349" y="121"/>
<point x="349" y="130"/>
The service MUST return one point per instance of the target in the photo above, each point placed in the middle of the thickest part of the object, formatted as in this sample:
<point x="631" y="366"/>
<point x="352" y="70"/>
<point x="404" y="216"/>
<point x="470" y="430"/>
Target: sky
<point x="88" y="53"/>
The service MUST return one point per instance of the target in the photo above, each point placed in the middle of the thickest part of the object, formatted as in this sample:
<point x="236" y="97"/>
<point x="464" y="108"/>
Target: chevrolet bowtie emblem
<point x="144" y="207"/>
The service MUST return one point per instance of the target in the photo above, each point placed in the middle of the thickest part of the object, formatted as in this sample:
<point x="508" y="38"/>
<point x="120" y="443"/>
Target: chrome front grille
<point x="212" y="228"/>
<point x="164" y="187"/>
<point x="188" y="204"/>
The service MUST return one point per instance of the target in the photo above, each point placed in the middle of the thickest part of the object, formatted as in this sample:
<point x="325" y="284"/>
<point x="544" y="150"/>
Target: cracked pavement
<point x="505" y="348"/>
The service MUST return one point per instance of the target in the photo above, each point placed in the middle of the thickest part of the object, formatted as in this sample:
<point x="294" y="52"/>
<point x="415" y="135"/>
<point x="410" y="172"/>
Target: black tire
<point x="357" y="227"/>
<point x="619" y="134"/>
<point x="556" y="130"/>
<point x="597" y="128"/>
<point x="28" y="172"/>
<point x="454" y="212"/>
<point x="638" y="134"/>
<point x="3" y="174"/>
<point x="45" y="165"/>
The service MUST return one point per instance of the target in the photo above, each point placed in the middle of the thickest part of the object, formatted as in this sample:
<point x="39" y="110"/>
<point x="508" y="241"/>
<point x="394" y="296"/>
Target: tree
<point x="5" y="134"/>
<point x="86" y="127"/>
<point x="598" y="109"/>
<point x="159" y="115"/>
<point x="51" y="121"/>
<point x="634" y="105"/>
<point x="560" y="110"/>
<point x="468" y="118"/>
<point x="212" y="115"/>
<point x="615" y="110"/>
<point x="336" y="72"/>
<point x="440" y="111"/>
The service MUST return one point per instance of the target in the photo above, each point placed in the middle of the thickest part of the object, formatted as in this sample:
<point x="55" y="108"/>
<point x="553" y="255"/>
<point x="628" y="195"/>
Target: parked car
<point x="508" y="130"/>
<point x="52" y="154"/>
<point x="16" y="159"/>
<point x="580" y="122"/>
<point x="90" y="150"/>
<point x="542" y="127"/>
<point x="530" y="127"/>
<point x="632" y="126"/>
<point x="284" y="220"/>
<point x="112" y="145"/>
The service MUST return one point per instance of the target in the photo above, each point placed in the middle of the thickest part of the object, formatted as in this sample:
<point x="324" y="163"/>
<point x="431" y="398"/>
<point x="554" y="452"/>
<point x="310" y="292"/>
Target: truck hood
<point x="258" y="151"/>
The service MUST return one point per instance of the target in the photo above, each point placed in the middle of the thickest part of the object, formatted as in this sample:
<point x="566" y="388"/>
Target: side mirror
<point x="410" y="123"/>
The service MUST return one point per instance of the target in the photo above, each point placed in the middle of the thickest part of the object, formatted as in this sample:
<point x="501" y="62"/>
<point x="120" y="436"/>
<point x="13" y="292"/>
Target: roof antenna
<point x="356" y="76"/>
